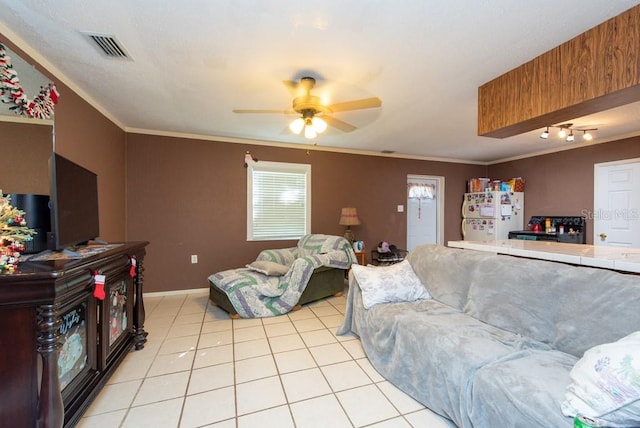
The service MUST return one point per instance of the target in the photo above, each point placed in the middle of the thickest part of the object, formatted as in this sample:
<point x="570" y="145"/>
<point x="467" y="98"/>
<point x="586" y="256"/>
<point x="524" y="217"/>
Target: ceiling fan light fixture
<point x="309" y="132"/>
<point x="308" y="106"/>
<point x="297" y="125"/>
<point x="318" y="125"/>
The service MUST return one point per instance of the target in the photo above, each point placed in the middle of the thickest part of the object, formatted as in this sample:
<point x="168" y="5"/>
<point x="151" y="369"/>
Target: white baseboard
<point x="176" y="292"/>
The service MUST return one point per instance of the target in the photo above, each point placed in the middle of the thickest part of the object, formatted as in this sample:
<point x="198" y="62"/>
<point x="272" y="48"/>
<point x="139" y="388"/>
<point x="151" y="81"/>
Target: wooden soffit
<point x="595" y="71"/>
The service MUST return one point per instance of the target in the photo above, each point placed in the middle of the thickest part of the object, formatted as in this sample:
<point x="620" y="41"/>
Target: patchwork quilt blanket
<point x="255" y="294"/>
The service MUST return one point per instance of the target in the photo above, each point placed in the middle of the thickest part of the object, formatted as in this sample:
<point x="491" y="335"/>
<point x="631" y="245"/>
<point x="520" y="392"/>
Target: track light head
<point x="545" y="134"/>
<point x="570" y="138"/>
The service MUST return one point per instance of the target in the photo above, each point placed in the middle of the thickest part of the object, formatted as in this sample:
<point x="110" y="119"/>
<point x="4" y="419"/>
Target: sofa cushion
<point x="266" y="267"/>
<point x="518" y="295"/>
<point x="599" y="306"/>
<point x="388" y="284"/>
<point x="525" y="386"/>
<point x="446" y="272"/>
<point x="572" y="308"/>
<point x="605" y="383"/>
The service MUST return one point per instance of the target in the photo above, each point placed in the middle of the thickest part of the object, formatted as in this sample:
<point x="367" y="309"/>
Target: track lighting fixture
<point x="566" y="132"/>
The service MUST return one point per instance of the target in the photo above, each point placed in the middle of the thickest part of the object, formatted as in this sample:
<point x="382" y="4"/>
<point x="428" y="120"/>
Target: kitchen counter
<point x="615" y="258"/>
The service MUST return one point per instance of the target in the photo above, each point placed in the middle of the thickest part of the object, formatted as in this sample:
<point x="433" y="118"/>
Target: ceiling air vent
<point x="108" y="45"/>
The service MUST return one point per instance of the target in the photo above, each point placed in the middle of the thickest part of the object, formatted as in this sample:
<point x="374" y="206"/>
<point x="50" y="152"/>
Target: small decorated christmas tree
<point x="13" y="234"/>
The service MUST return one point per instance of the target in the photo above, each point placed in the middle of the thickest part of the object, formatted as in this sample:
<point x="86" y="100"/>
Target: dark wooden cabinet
<point x="60" y="343"/>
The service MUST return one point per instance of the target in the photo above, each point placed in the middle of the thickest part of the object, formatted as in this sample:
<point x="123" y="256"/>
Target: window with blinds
<point x="278" y="200"/>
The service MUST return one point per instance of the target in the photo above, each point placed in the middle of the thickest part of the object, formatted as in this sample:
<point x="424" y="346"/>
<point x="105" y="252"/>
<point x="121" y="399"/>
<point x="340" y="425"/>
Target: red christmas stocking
<point x="98" y="291"/>
<point x="132" y="270"/>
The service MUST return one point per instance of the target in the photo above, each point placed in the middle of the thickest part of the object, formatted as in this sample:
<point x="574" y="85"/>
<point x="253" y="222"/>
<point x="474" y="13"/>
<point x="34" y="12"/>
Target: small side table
<point x="362" y="257"/>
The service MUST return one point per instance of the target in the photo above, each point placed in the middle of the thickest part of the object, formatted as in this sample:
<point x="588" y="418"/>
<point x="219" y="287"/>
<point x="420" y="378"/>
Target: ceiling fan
<point x="314" y="115"/>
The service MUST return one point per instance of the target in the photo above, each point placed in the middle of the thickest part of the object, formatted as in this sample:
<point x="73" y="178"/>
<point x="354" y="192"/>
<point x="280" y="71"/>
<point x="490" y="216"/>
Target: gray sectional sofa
<point x="496" y="343"/>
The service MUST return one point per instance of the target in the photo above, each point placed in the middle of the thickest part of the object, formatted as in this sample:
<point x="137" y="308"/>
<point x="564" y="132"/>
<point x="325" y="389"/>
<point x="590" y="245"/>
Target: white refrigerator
<point x="491" y="215"/>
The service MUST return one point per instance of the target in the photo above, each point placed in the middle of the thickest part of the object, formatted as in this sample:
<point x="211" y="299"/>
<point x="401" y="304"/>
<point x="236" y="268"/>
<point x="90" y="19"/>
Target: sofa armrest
<point x="283" y="256"/>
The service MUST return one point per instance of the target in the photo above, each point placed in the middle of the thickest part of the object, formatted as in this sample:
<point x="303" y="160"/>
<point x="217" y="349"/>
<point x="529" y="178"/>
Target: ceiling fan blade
<point x="258" y="111"/>
<point x="356" y="104"/>
<point x="338" y="124"/>
<point x="292" y="86"/>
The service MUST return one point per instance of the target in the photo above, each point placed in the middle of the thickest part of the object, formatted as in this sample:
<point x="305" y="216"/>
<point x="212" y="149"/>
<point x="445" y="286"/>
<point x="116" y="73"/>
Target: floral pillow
<point x="387" y="284"/>
<point x="605" y="383"/>
<point x="268" y="268"/>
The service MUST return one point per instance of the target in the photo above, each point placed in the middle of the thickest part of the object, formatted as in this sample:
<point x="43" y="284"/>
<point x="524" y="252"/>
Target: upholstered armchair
<point x="281" y="280"/>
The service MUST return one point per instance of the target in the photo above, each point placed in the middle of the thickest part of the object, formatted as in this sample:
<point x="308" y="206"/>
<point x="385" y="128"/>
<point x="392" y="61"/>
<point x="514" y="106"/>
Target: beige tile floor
<point x="201" y="369"/>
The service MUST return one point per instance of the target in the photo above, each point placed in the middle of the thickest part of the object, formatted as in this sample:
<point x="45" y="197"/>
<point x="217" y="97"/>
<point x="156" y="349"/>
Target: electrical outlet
<point x="194" y="258"/>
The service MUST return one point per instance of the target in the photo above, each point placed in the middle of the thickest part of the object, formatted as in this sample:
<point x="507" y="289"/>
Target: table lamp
<point x="349" y="217"/>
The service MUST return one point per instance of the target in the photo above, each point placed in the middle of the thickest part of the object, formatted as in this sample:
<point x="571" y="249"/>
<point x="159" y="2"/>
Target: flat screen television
<point x="74" y="204"/>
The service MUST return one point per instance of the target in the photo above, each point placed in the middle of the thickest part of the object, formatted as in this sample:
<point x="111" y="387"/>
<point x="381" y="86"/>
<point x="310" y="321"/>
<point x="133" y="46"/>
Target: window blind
<point x="279" y="202"/>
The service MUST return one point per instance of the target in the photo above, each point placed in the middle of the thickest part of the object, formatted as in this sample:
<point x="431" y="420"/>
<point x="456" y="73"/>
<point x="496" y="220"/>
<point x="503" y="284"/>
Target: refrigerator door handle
<point x="464" y="232"/>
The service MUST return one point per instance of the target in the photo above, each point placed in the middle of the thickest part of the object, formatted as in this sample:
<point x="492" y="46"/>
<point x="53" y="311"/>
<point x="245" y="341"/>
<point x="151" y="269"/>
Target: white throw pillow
<point x="388" y="284"/>
<point x="605" y="383"/>
<point x="266" y="267"/>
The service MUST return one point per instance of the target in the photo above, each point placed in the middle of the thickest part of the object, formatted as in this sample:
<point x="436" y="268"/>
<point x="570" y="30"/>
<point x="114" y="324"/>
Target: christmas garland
<point x="11" y="92"/>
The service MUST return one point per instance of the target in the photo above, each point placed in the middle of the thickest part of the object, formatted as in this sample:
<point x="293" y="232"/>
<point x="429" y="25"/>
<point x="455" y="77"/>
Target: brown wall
<point x="25" y="152"/>
<point x="88" y="138"/>
<point x="562" y="183"/>
<point x="189" y="197"/>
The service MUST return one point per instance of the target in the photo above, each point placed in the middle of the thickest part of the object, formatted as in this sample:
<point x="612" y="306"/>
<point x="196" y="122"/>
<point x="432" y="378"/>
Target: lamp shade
<point x="309" y="132"/>
<point x="349" y="217"/>
<point x="319" y="125"/>
<point x="297" y="125"/>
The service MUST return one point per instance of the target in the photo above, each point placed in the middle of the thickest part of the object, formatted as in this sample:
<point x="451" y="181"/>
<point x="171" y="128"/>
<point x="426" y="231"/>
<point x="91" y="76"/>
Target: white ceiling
<point x="193" y="61"/>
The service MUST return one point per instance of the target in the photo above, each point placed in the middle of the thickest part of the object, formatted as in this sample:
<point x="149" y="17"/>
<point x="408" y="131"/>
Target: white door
<point x="616" y="214"/>
<point x="425" y="218"/>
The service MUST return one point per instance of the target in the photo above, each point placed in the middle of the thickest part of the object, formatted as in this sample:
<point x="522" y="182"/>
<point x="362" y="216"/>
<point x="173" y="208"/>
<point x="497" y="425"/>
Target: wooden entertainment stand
<point x="59" y="342"/>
